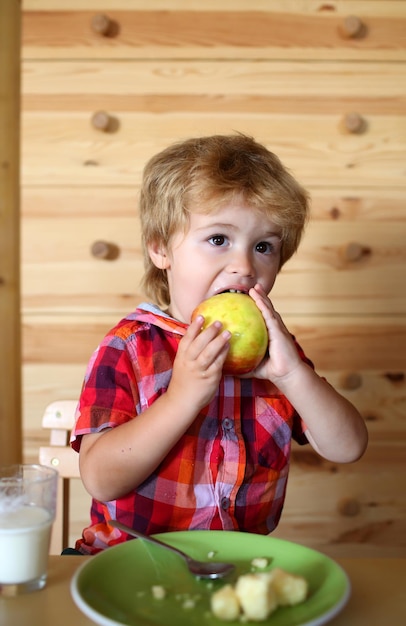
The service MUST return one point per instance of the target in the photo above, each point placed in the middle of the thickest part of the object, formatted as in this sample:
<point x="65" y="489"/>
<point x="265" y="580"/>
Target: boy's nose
<point x="241" y="263"/>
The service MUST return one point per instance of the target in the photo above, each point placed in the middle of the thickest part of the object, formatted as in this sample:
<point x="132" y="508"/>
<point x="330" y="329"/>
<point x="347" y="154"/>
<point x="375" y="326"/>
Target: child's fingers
<point x="209" y="341"/>
<point x="214" y="352"/>
<point x="262" y="301"/>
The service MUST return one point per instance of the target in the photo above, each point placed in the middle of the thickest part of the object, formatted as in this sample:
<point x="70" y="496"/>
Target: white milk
<point x="24" y="544"/>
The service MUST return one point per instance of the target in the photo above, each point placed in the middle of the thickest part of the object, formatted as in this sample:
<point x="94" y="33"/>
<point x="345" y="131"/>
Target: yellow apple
<point x="241" y="317"/>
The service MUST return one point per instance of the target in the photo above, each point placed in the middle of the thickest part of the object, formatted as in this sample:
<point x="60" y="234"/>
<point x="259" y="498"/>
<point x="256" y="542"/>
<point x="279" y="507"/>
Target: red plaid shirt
<point x="228" y="471"/>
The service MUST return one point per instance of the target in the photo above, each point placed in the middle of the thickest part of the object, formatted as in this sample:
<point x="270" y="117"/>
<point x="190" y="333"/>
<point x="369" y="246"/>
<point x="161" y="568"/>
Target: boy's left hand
<point x="282" y="358"/>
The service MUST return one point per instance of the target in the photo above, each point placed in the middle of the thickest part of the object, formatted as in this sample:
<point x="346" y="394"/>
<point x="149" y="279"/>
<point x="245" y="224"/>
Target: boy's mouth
<point x="231" y="290"/>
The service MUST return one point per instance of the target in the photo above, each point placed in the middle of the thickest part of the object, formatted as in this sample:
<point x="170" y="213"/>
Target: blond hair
<point x="200" y="174"/>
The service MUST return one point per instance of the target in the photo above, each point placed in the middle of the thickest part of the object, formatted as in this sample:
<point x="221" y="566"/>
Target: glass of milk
<point x="27" y="511"/>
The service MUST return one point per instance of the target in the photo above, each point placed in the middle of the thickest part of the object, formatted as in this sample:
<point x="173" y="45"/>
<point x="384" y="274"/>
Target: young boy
<point x="166" y="441"/>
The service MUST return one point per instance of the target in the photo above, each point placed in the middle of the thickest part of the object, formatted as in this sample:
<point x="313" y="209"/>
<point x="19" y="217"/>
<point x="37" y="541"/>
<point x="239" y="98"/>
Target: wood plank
<point x="65" y="149"/>
<point x="221" y="103"/>
<point x="341" y="7"/>
<point x="188" y="34"/>
<point x="75" y="337"/>
<point x="367" y="204"/>
<point x="10" y="336"/>
<point x="377" y="343"/>
<point x="206" y="86"/>
<point x="122" y="202"/>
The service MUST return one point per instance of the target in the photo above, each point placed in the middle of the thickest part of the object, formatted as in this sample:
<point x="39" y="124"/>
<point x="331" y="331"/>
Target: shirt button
<point x="225" y="503"/>
<point x="227" y="424"/>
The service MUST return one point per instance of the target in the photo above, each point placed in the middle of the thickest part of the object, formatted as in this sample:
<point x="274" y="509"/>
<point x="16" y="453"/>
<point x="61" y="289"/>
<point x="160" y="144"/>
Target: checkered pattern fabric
<point x="228" y="471"/>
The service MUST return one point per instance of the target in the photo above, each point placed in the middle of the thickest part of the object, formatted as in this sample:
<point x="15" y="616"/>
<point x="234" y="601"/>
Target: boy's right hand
<point x="198" y="364"/>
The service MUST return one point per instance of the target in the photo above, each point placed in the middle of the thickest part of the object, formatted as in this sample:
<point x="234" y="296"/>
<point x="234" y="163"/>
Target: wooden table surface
<point x="377" y="598"/>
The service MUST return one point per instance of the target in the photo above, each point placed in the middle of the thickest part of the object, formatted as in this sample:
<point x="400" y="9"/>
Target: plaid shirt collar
<point x="152" y="314"/>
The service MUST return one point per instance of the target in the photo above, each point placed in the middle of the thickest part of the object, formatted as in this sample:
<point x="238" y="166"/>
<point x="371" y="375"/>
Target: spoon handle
<point x="139" y="535"/>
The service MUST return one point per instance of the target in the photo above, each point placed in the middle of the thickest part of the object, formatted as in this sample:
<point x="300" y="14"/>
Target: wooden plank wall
<point x="323" y="84"/>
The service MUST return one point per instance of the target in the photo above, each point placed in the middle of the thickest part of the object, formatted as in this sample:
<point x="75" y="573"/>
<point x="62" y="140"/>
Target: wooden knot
<point x="101" y="120"/>
<point x="352" y="27"/>
<point x="102" y="24"/>
<point x="348" y="507"/>
<point x="105" y="250"/>
<point x="354" y="123"/>
<point x="335" y="213"/>
<point x="350" y="381"/>
<point x="354" y="252"/>
<point x="395" y="377"/>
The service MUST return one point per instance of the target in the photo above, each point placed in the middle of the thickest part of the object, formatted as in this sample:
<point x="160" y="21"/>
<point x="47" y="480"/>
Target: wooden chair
<point x="59" y="419"/>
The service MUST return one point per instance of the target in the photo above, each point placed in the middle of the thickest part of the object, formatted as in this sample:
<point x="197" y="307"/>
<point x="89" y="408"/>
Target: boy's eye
<point x="265" y="247"/>
<point x="218" y="240"/>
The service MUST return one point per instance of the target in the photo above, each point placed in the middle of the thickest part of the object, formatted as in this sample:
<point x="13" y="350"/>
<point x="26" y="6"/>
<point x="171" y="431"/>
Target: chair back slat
<point x="59" y="419"/>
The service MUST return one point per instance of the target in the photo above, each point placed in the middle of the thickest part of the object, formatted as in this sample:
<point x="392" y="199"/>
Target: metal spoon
<point x="197" y="568"/>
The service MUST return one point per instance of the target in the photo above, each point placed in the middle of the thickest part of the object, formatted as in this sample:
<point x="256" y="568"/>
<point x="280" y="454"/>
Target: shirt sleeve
<point x="109" y="395"/>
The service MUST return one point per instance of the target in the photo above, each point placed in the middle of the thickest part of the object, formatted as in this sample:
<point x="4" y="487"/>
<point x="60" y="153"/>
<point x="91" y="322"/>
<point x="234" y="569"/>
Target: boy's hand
<point x="283" y="356"/>
<point x="198" y="364"/>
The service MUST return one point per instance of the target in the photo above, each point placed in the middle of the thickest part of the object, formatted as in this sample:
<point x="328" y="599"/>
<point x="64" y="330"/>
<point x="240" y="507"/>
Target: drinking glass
<point x="27" y="510"/>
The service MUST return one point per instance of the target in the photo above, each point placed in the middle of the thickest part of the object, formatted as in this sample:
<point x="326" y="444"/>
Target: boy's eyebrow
<point x="220" y="225"/>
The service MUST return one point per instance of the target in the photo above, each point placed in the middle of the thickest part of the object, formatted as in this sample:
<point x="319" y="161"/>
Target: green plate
<point x="115" y="586"/>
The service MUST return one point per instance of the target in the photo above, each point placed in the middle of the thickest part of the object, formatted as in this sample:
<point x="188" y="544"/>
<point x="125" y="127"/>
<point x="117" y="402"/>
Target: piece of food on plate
<point x="255" y="596"/>
<point x="225" y="604"/>
<point x="260" y="562"/>
<point x="158" y="592"/>
<point x="289" y="589"/>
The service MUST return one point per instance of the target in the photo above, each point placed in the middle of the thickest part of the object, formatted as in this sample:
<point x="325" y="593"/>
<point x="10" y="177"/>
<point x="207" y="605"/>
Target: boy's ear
<point x="158" y="255"/>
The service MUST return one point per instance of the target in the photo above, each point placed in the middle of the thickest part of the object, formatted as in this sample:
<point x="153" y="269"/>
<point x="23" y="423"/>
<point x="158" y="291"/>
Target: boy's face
<point x="234" y="247"/>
